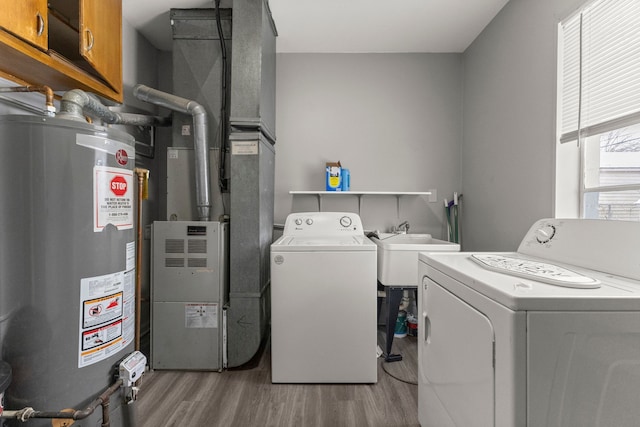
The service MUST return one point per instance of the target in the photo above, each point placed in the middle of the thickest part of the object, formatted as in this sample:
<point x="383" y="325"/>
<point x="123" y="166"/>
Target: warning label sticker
<point x="201" y="315"/>
<point x="131" y="255"/>
<point x="112" y="198"/>
<point x="129" y="314"/>
<point x="244" y="148"/>
<point x="106" y="316"/>
<point x="102" y="310"/>
<point x="99" y="337"/>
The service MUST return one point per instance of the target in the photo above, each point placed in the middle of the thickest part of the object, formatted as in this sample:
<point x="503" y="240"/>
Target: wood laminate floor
<point x="246" y="397"/>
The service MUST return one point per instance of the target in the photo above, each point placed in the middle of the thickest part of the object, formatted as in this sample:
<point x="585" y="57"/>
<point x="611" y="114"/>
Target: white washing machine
<point x="552" y="341"/>
<point x="323" y="301"/>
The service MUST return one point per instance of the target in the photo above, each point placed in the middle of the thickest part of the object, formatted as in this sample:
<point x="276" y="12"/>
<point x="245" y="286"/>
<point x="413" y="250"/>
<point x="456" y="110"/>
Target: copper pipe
<point x="103" y="400"/>
<point x="48" y="93"/>
<point x="46" y="90"/>
<point x="143" y="180"/>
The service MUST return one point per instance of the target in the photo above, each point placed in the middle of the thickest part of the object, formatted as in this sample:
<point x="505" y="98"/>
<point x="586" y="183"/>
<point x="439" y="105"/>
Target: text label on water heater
<point x="112" y="198"/>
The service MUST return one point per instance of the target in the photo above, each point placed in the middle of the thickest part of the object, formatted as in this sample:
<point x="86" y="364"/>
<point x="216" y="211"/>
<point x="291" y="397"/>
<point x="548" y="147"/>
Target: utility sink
<point x="398" y="256"/>
<point x="398" y="270"/>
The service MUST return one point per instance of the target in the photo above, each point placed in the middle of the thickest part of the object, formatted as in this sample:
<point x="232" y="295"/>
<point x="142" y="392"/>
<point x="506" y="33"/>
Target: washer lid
<point x="517" y="293"/>
<point x="323" y="243"/>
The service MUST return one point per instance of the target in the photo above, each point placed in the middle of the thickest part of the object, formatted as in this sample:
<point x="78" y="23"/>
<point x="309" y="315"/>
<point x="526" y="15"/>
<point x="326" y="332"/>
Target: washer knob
<point x="298" y="221"/>
<point x="345" y="221"/>
<point x="309" y="221"/>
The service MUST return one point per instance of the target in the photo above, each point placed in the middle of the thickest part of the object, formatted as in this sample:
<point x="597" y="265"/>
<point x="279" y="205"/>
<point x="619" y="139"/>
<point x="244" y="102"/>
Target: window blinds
<point x="600" y="69"/>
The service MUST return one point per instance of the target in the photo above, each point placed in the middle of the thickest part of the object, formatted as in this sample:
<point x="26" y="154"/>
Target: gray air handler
<point x="189" y="275"/>
<point x="67" y="266"/>
<point x="242" y="132"/>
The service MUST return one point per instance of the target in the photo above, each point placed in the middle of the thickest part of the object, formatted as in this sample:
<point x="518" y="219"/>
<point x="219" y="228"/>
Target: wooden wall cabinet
<point x="63" y="44"/>
<point x="26" y="19"/>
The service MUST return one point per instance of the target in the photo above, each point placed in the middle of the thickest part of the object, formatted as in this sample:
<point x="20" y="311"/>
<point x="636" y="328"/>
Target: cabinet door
<point x="26" y="19"/>
<point x="101" y="38"/>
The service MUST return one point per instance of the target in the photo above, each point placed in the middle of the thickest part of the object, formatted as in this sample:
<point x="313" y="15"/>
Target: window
<point x="599" y="109"/>
<point x="611" y="175"/>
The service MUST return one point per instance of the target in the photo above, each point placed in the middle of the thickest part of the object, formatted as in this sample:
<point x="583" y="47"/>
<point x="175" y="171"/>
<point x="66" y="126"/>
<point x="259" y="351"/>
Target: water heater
<point x="67" y="262"/>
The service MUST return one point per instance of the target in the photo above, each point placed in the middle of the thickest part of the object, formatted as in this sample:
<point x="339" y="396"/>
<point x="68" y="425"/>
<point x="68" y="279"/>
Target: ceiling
<point x="344" y="25"/>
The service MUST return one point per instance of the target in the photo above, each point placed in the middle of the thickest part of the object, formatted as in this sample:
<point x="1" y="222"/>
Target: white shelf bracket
<point x="433" y="196"/>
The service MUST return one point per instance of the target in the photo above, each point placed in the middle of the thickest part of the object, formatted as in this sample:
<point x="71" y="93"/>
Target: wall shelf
<point x="432" y="194"/>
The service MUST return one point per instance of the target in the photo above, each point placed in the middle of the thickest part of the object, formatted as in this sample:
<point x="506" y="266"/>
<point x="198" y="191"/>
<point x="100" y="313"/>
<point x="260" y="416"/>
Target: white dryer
<point x="554" y="340"/>
<point x="323" y="301"/>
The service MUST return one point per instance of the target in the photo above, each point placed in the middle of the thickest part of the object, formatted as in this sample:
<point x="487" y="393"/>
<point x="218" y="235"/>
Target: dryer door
<point x="456" y="366"/>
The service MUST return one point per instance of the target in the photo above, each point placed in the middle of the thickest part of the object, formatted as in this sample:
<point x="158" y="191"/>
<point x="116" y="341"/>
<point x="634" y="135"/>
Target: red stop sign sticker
<point x="118" y="185"/>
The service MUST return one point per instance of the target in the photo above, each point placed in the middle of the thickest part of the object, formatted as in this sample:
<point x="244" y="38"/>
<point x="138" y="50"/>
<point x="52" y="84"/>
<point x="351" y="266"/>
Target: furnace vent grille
<point x="174" y="246"/>
<point x="197" y="246"/>
<point x="174" y="262"/>
<point x="197" y="262"/>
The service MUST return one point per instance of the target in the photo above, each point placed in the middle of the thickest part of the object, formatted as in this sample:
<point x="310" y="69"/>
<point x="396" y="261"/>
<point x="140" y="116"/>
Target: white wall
<point x="509" y="123"/>
<point x="392" y="119"/>
<point x="139" y="65"/>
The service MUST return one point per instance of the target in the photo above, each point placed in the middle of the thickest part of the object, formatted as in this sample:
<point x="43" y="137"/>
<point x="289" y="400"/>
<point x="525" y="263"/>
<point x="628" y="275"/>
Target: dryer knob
<point x="298" y="221"/>
<point x="309" y="221"/>
<point x="545" y="234"/>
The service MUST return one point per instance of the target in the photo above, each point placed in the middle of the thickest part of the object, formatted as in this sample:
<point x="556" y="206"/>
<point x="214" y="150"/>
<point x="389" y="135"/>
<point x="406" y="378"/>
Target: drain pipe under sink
<point x="404" y="302"/>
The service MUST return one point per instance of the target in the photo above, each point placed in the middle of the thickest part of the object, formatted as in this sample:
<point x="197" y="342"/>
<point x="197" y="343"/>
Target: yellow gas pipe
<point x="143" y="194"/>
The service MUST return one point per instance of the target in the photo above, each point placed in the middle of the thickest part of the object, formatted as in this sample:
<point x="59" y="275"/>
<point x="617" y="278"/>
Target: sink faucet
<point x="402" y="228"/>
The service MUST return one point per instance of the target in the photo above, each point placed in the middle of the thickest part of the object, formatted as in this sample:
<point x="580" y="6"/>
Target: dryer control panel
<point x="601" y="245"/>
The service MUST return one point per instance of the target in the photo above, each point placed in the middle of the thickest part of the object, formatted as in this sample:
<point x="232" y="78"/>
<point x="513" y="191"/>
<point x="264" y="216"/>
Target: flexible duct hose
<point x="200" y="139"/>
<point x="76" y="103"/>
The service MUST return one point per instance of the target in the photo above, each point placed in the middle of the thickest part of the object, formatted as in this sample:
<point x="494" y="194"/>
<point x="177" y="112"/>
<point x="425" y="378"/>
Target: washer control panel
<point x="323" y="224"/>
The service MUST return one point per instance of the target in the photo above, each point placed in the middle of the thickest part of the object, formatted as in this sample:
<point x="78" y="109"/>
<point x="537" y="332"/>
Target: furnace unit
<point x="189" y="274"/>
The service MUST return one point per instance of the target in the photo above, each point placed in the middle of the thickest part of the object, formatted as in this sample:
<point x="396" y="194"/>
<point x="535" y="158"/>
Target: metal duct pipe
<point x="200" y="139"/>
<point x="76" y="103"/>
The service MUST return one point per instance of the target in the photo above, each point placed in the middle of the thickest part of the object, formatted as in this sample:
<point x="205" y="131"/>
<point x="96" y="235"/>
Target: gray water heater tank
<point x="67" y="262"/>
<point x="5" y="380"/>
